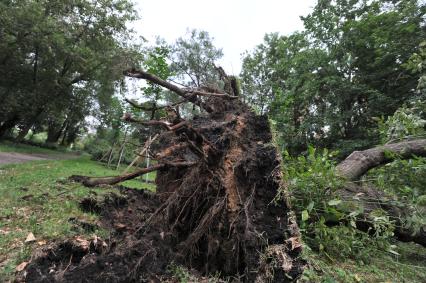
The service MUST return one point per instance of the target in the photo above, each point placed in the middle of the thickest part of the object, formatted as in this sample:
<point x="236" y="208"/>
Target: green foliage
<point x="314" y="190"/>
<point x="417" y="64"/>
<point x="60" y="62"/>
<point x="312" y="183"/>
<point x="381" y="267"/>
<point x="181" y="273"/>
<point x="193" y="58"/>
<point x="406" y="122"/>
<point x="155" y="62"/>
<point x="405" y="181"/>
<point x="324" y="86"/>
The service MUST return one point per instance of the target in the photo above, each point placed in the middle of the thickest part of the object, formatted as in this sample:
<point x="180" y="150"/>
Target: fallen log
<point x="358" y="164"/>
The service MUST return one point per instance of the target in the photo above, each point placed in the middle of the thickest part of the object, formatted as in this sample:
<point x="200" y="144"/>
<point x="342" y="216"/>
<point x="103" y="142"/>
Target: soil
<point x="217" y="217"/>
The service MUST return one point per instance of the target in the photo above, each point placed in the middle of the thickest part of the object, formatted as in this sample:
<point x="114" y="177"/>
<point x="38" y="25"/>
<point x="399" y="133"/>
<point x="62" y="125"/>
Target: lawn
<point x="382" y="267"/>
<point x="36" y="197"/>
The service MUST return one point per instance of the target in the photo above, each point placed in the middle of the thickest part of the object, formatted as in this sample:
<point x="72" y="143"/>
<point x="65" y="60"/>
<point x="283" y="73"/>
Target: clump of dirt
<point x="216" y="217"/>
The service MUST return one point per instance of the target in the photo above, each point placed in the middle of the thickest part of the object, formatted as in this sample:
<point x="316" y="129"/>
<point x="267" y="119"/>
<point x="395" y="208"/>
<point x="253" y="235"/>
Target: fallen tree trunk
<point x="359" y="163"/>
<point x="373" y="199"/>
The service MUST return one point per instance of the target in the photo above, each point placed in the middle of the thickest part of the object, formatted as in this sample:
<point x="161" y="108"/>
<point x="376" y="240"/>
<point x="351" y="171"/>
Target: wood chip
<point x="30" y="238"/>
<point x="22" y="266"/>
<point x="120" y="227"/>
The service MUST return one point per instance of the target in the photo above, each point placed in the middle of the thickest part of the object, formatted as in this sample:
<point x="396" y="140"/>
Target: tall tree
<point x="325" y="86"/>
<point x="50" y="49"/>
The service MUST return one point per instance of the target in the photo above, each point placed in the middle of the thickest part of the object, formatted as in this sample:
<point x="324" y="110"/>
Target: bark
<point x="54" y="133"/>
<point x="373" y="199"/>
<point x="28" y="124"/>
<point x="93" y="181"/>
<point x="188" y="94"/>
<point x="359" y="162"/>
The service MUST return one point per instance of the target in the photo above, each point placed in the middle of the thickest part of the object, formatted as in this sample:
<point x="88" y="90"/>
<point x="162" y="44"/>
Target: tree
<point x="53" y="50"/>
<point x="193" y="59"/>
<point x="325" y="86"/>
<point x="209" y="191"/>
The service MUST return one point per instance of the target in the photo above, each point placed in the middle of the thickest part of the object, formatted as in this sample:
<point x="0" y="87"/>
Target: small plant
<point x="180" y="273"/>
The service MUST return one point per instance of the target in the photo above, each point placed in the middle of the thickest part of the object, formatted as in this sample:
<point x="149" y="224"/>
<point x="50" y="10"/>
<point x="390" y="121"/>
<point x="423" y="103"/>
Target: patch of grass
<point x="382" y="267"/>
<point x="36" y="197"/>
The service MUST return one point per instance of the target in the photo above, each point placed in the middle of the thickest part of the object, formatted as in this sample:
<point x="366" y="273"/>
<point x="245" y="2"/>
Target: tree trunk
<point x="29" y="123"/>
<point x="54" y="134"/>
<point x="359" y="163"/>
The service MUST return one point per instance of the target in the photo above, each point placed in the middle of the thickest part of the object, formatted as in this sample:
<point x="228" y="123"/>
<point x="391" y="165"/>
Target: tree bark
<point x="359" y="162"/>
<point x="93" y="181"/>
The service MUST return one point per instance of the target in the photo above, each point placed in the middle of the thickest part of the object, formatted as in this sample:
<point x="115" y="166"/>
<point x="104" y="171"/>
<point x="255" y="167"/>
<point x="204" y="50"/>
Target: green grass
<point x="36" y="197"/>
<point x="408" y="267"/>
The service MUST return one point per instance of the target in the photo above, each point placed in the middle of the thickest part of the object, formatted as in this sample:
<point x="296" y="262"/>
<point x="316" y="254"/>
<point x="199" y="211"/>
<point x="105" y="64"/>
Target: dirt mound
<point x="215" y="217"/>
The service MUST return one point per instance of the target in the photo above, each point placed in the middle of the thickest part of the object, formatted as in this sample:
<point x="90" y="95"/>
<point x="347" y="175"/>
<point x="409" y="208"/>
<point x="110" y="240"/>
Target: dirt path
<point x="14" y="157"/>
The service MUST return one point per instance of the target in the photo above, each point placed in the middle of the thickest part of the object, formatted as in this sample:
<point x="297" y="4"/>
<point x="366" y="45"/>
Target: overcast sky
<point x="235" y="25"/>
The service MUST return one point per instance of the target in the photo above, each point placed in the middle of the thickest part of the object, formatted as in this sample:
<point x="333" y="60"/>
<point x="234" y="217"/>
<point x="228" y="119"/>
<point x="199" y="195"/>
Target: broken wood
<point x="140" y="154"/>
<point x="97" y="181"/>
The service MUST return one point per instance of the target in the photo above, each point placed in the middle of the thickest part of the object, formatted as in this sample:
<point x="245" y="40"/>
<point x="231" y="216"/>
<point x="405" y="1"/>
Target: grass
<point x="36" y="197"/>
<point x="408" y="267"/>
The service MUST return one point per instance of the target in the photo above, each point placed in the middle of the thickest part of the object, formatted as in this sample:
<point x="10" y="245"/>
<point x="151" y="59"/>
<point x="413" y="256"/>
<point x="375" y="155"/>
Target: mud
<point x="217" y="217"/>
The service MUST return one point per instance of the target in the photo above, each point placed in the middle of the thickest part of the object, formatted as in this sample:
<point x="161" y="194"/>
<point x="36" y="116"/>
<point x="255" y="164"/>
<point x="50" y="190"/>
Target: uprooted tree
<point x="215" y="209"/>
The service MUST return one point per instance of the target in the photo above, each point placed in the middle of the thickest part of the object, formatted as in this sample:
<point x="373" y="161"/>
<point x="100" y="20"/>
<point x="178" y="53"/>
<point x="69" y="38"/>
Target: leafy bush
<point x="327" y="222"/>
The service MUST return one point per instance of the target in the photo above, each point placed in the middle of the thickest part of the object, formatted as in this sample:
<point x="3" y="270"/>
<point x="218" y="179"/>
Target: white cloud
<point x="236" y="25"/>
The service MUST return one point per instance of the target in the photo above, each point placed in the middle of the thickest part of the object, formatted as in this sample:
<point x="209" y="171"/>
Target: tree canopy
<point x="325" y="86"/>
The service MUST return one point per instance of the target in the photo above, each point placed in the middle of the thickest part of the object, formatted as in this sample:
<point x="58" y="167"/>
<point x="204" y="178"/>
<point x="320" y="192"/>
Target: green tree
<point x="325" y="86"/>
<point x="53" y="50"/>
<point x="194" y="57"/>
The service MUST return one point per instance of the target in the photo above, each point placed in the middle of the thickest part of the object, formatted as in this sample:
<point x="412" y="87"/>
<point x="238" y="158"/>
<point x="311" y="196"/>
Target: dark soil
<point x="217" y="217"/>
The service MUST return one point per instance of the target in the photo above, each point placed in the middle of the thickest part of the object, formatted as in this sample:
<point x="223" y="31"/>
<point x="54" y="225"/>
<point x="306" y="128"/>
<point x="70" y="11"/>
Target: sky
<point x="236" y="25"/>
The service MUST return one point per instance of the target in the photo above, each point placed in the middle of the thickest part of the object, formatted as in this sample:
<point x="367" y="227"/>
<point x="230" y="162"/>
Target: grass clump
<point x="36" y="197"/>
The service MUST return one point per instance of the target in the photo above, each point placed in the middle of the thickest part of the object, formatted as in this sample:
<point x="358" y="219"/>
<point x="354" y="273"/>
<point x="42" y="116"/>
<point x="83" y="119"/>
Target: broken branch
<point x="96" y="181"/>
<point x="189" y="94"/>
